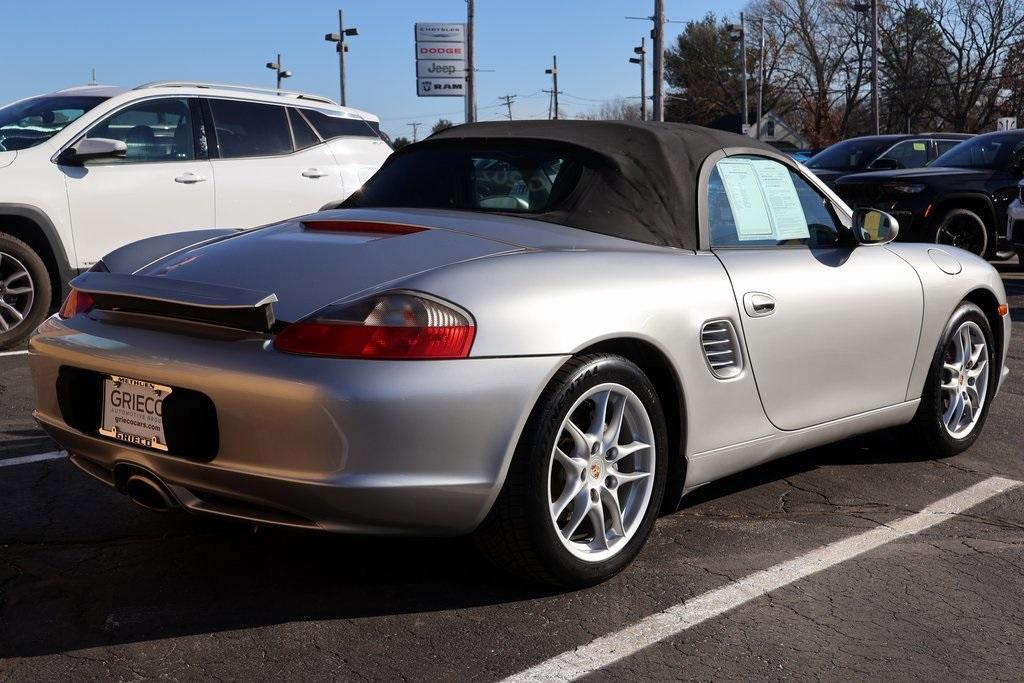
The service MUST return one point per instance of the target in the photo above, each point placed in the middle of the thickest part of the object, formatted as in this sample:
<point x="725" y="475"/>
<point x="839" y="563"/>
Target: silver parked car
<point x="543" y="333"/>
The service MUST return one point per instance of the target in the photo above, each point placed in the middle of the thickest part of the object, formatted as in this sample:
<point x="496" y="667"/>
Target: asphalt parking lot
<point x="93" y="587"/>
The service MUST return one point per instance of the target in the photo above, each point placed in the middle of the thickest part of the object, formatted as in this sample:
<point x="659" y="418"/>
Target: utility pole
<point x="415" y="127"/>
<point x="760" y="81"/>
<point x="342" y="48"/>
<point x="508" y="99"/>
<point x="658" y="36"/>
<point x="470" y="63"/>
<point x="642" y="61"/>
<point x="554" y="86"/>
<point x="93" y="81"/>
<point x="281" y="73"/>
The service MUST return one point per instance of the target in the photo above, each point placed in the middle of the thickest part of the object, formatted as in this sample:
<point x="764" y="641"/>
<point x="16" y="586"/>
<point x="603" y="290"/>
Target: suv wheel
<point x="964" y="229"/>
<point x="25" y="291"/>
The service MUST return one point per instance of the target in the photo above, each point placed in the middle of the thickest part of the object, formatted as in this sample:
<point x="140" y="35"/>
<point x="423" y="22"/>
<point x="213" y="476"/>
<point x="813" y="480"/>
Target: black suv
<point x="960" y="199"/>
<point x="881" y="153"/>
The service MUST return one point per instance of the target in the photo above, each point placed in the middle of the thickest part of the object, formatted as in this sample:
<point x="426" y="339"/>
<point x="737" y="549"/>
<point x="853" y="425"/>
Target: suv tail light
<point x="77" y="302"/>
<point x="394" y="326"/>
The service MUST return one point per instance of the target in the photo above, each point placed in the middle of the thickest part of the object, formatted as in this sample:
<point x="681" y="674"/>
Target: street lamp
<point x="281" y="73"/>
<point x="642" y="61"/>
<point x="738" y="34"/>
<point x="342" y="48"/>
<point x="871" y="8"/>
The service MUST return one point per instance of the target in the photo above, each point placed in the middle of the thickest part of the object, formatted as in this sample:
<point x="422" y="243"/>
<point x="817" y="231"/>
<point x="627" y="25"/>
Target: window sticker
<point x="749" y="210"/>
<point x="787" y="212"/>
<point x="919" y="147"/>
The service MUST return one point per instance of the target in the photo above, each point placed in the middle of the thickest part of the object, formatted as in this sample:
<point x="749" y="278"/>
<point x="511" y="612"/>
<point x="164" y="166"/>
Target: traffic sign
<point x="1007" y="123"/>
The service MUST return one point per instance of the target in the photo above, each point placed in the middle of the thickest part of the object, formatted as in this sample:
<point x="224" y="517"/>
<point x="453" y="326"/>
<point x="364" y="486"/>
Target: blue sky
<point x="50" y="45"/>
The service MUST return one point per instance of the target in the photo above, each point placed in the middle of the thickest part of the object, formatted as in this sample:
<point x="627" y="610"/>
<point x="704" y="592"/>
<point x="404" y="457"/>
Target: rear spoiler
<point x="216" y="304"/>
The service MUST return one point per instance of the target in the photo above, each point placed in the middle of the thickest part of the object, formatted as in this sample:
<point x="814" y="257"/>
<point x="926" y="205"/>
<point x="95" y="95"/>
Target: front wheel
<point x="964" y="229"/>
<point x="586" y="482"/>
<point x="957" y="392"/>
<point x="24" y="291"/>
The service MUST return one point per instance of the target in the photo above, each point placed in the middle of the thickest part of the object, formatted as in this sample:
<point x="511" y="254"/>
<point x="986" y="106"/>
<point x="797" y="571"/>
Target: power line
<point x="415" y="127"/>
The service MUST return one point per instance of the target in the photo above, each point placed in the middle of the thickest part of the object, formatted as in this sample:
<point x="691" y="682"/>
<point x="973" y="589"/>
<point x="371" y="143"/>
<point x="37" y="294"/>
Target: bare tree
<point x="615" y="109"/>
<point x="978" y="36"/>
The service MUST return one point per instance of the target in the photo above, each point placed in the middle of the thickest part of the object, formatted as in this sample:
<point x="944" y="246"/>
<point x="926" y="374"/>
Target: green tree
<point x="912" y="63"/>
<point x="400" y="142"/>
<point x="702" y="70"/>
<point x="441" y="125"/>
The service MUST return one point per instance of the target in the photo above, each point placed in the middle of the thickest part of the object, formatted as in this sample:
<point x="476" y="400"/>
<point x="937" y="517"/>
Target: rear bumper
<point x="342" y="445"/>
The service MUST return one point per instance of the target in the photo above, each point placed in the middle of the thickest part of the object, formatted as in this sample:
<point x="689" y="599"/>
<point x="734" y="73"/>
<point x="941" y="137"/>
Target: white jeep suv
<point x="86" y="170"/>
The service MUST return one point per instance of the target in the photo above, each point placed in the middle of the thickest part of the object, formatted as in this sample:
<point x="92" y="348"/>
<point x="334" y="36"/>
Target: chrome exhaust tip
<point x="145" y="491"/>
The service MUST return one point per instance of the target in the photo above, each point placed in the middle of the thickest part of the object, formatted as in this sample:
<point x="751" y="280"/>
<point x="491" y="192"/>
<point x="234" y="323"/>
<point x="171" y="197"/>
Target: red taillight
<point x="363" y="227"/>
<point x="392" y="326"/>
<point x="77" y="302"/>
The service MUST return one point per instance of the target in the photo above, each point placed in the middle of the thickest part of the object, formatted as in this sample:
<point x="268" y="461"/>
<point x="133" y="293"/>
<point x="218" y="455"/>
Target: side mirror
<point x="872" y="227"/>
<point x="885" y="164"/>
<point x="89" y="149"/>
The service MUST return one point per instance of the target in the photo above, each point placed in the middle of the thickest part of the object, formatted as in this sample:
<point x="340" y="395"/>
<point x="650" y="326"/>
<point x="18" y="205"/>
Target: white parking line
<point x="13" y="353"/>
<point x="38" y="457"/>
<point x="613" y="647"/>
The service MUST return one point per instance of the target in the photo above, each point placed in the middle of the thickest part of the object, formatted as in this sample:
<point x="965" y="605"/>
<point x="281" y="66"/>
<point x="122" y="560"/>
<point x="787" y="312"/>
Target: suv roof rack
<point x="240" y="88"/>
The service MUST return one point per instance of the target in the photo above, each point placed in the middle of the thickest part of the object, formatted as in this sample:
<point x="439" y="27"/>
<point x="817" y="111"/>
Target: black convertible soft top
<point x="645" y="189"/>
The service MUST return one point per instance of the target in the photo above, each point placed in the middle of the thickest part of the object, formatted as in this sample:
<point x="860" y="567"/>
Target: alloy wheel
<point x="17" y="292"/>
<point x="964" y="232"/>
<point x="965" y="375"/>
<point x="601" y="472"/>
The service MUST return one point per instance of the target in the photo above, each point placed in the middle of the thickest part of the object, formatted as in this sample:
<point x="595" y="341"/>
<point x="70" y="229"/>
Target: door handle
<point x="189" y="178"/>
<point x="758" y="304"/>
<point x="313" y="173"/>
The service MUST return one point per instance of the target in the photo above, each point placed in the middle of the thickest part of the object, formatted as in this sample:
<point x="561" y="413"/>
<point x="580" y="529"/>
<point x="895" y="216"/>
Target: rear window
<point x="520" y="179"/>
<point x="338" y="126"/>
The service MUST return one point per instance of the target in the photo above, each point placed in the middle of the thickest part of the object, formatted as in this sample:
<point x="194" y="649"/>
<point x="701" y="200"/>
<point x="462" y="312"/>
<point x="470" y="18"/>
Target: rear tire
<point x="568" y="480"/>
<point x="962" y="228"/>
<point x="953" y="376"/>
<point x="25" y="291"/>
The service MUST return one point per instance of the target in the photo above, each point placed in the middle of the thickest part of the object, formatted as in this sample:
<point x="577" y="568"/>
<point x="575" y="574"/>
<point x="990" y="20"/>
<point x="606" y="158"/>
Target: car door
<point x="163" y="183"/>
<point x="269" y="164"/>
<point x="831" y="329"/>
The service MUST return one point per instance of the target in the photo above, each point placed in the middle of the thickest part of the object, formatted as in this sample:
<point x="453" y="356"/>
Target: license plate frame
<point x="132" y="412"/>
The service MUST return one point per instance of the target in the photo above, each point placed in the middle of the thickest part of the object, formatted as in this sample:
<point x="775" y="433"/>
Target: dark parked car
<point x="961" y="199"/>
<point x="881" y="153"/>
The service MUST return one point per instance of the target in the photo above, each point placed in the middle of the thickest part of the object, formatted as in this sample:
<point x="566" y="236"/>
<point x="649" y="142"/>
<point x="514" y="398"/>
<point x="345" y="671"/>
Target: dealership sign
<point x="441" y="68"/>
<point x="440" y="60"/>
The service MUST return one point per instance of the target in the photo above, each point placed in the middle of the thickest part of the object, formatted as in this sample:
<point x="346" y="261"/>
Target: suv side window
<point x="944" y="146"/>
<point x="250" y="129"/>
<point x="759" y="202"/>
<point x="304" y="135"/>
<point x="153" y="130"/>
<point x="909" y="153"/>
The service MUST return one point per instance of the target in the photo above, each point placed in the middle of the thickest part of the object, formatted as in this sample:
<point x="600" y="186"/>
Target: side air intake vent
<point x="721" y="350"/>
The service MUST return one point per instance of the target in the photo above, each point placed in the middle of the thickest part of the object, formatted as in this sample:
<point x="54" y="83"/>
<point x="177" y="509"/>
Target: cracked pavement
<point x="92" y="587"/>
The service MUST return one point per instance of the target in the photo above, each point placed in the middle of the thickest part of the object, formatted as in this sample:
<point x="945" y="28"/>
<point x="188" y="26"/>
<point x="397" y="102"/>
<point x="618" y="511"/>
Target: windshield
<point x="986" y="151"/>
<point x="849" y="155"/>
<point x="507" y="179"/>
<point x="29" y="122"/>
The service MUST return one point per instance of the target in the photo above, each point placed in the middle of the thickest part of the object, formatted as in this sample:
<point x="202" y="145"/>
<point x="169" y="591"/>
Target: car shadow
<point x="170" y="576"/>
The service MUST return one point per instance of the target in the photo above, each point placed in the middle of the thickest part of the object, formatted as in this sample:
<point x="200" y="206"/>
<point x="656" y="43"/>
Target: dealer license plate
<point x="133" y="411"/>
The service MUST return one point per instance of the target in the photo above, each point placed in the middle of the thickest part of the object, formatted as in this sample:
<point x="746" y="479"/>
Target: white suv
<point x="86" y="170"/>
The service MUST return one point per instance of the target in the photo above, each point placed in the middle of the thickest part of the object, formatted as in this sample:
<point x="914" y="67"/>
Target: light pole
<point x="342" y="48"/>
<point x="554" y="83"/>
<point x="470" y="62"/>
<point x="642" y="61"/>
<point x="738" y="33"/>
<point x="281" y="73"/>
<point x="871" y="7"/>
<point x="658" y="36"/>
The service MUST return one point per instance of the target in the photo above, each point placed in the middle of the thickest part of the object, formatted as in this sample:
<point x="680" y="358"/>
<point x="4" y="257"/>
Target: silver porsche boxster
<point x="540" y="333"/>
